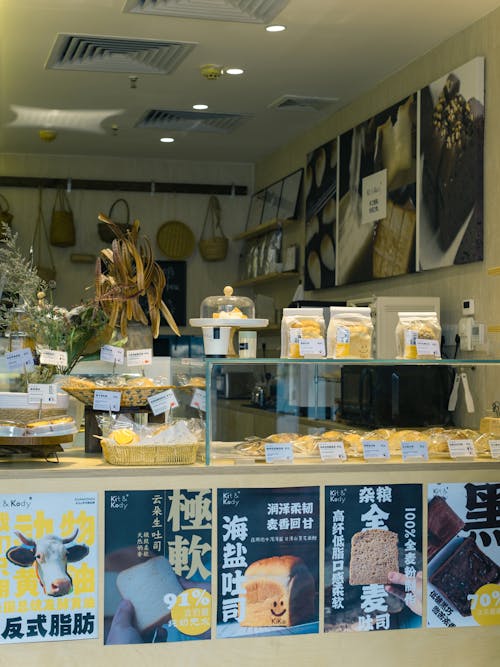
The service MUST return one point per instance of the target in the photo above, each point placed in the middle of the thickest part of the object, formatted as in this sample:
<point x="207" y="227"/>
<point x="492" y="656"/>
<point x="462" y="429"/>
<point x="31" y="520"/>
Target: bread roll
<point x="279" y="592"/>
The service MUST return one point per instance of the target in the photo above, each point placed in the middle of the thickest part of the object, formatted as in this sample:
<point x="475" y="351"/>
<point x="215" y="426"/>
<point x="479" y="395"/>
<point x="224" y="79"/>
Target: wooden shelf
<point x="266" y="227"/>
<point x="268" y="278"/>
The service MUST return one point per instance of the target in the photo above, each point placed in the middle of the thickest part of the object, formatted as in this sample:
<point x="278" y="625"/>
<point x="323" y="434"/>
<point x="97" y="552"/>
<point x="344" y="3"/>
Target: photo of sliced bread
<point x="146" y="585"/>
<point x="374" y="553"/>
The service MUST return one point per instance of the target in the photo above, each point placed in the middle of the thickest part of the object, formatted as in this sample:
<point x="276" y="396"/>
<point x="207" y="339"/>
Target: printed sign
<point x="54" y="358"/>
<point x="107" y="400"/>
<point x="374" y="197"/>
<point x="163" y="402"/>
<point x="20" y="360"/>
<point x="139" y="357"/>
<point x="49" y="567"/>
<point x="158" y="566"/>
<point x="42" y="393"/>
<point x="268" y="547"/>
<point x="113" y="354"/>
<point x="373" y="559"/>
<point x="463" y="555"/>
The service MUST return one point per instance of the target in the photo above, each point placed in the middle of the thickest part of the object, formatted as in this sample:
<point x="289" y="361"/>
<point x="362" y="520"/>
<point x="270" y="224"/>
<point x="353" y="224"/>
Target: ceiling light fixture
<point x="275" y="28"/>
<point x="167" y="140"/>
<point x="234" y="70"/>
<point x="200" y="107"/>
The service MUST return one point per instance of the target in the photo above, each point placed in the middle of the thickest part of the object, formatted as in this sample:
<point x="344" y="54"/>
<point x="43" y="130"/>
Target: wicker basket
<point x="213" y="242"/>
<point x="149" y="455"/>
<point x="24" y="415"/>
<point x="214" y="249"/>
<point x="131" y="397"/>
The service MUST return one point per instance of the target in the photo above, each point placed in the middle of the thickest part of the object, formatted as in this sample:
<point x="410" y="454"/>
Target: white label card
<point x="312" y="346"/>
<point x="332" y="450"/>
<point x="279" y="451"/>
<point x="461" y="448"/>
<point x="20" y="359"/>
<point x="44" y="393"/>
<point x="54" y="358"/>
<point x="495" y="449"/>
<point x="414" y="449"/>
<point x="375" y="449"/>
<point x="199" y="400"/>
<point x="163" y="401"/>
<point x="428" y="348"/>
<point x="139" y="357"/>
<point x="107" y="400"/>
<point x="374" y="197"/>
<point x="113" y="354"/>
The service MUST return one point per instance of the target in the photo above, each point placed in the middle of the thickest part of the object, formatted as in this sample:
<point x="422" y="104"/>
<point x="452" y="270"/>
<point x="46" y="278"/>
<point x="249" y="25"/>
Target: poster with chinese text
<point x="268" y="561"/>
<point x="463" y="555"/>
<point x="157" y="571"/>
<point x="373" y="557"/>
<point x="48" y="565"/>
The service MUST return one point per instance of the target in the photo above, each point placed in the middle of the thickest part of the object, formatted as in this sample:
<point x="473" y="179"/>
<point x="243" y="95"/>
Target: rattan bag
<point x="213" y="243"/>
<point x="106" y="233"/>
<point x="62" y="225"/>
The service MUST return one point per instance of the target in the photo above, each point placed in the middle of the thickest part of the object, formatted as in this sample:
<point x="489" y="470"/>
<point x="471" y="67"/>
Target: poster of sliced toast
<point x="378" y="246"/>
<point x="451" y="152"/>
<point x="373" y="557"/>
<point x="463" y="554"/>
<point x="320" y="186"/>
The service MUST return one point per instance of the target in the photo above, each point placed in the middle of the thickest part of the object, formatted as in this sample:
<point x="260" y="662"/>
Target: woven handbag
<point x="62" y="226"/>
<point x="106" y="233"/>
<point x="45" y="265"/>
<point x="213" y="242"/>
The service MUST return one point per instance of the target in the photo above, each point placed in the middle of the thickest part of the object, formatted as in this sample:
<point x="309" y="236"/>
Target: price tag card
<point x="20" y="359"/>
<point x="139" y="357"/>
<point x="107" y="400"/>
<point x="54" y="358"/>
<point x="309" y="346"/>
<point x="113" y="354"/>
<point x="279" y="452"/>
<point x="461" y="449"/>
<point x="332" y="450"/>
<point x="163" y="401"/>
<point x="199" y="400"/>
<point x="495" y="449"/>
<point x="414" y="449"/>
<point x="375" y="449"/>
<point x="428" y="348"/>
<point x="44" y="393"/>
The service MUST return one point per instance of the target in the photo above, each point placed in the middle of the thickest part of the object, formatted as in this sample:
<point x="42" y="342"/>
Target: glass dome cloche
<point x="227" y="306"/>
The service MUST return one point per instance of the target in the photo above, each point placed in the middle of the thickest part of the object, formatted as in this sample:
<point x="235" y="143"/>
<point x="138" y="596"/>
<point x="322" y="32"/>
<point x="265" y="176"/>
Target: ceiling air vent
<point x="302" y="102"/>
<point x="242" y="11"/>
<point x="117" y="54"/>
<point x="190" y="121"/>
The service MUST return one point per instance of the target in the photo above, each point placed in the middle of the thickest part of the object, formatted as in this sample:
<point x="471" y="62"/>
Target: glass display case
<point x="326" y="410"/>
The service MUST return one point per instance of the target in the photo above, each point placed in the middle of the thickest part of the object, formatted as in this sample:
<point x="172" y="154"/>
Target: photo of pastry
<point x="463" y="555"/>
<point x="268" y="546"/>
<point x="385" y="248"/>
<point x="321" y="214"/>
<point x="451" y="152"/>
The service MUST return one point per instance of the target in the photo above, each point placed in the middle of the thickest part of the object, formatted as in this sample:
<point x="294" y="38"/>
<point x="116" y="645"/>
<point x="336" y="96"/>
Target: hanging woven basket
<point x="213" y="243"/>
<point x="105" y="232"/>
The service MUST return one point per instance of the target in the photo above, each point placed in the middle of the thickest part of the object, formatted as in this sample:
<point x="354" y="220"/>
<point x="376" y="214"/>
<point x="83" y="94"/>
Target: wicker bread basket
<point x="130" y="396"/>
<point x="23" y="415"/>
<point x="149" y="455"/>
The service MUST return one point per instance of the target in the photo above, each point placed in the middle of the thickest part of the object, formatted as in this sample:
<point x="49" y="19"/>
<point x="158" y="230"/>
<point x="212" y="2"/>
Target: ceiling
<point x="331" y="49"/>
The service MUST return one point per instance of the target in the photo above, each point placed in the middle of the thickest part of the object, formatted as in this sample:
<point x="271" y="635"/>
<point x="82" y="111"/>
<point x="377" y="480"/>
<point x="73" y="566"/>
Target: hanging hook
<point x="153" y="188"/>
<point x="233" y="190"/>
<point x="68" y="186"/>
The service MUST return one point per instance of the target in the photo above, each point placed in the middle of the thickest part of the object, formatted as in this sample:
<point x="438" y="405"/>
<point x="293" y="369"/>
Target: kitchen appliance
<point x="395" y="395"/>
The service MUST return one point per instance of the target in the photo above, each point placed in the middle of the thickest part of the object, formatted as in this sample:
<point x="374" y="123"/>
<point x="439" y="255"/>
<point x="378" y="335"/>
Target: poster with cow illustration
<point x="48" y="567"/>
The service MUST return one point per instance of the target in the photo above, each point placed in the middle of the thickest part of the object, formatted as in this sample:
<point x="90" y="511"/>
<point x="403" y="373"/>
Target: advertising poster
<point x="373" y="557"/>
<point x="268" y="561"/>
<point x="157" y="567"/>
<point x="451" y="151"/>
<point x="463" y="555"/>
<point x="48" y="567"/>
<point x="321" y="216"/>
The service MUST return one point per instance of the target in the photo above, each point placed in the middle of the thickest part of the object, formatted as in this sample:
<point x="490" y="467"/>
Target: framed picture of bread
<point x="463" y="553"/>
<point x="272" y="198"/>
<point x="451" y="156"/>
<point x="290" y="194"/>
<point x="373" y="557"/>
<point x="157" y="566"/>
<point x="320" y="188"/>
<point x="268" y="545"/>
<point x="385" y="248"/>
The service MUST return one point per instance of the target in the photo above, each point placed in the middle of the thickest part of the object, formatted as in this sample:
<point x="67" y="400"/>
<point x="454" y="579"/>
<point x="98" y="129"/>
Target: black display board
<point x="174" y="294"/>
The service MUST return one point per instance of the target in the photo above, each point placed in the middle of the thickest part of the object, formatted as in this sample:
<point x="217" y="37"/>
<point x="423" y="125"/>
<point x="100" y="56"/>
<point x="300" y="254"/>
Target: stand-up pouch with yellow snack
<point x="418" y="336"/>
<point x="350" y="333"/>
<point x="302" y="333"/>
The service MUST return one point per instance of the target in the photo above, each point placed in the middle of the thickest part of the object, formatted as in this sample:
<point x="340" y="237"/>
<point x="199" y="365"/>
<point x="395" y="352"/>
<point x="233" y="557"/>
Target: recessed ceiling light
<point x="275" y="28"/>
<point x="200" y="107"/>
<point x="167" y="140"/>
<point x="234" y="70"/>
